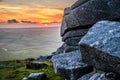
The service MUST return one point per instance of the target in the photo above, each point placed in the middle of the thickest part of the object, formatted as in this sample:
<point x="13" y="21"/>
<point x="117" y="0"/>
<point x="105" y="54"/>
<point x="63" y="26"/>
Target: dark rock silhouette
<point x="89" y="13"/>
<point x="12" y="21"/>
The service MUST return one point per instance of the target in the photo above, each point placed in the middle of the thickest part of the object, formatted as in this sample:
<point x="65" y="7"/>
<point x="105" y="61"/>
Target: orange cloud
<point x="35" y="14"/>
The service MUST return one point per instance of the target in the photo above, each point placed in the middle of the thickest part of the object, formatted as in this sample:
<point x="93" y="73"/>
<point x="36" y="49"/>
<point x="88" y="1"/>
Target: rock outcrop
<point x="70" y="65"/>
<point x="99" y="46"/>
<point x="85" y="13"/>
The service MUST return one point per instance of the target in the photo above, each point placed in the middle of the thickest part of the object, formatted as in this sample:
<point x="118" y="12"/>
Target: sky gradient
<point x="42" y="12"/>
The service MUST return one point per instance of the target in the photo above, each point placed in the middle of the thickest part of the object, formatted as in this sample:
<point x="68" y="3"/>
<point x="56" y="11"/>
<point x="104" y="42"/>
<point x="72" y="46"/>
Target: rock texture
<point x="86" y="76"/>
<point x="85" y="13"/>
<point x="104" y="76"/>
<point x="74" y="33"/>
<point x="100" y="76"/>
<point x="100" y="47"/>
<point x="70" y="48"/>
<point x="25" y="78"/>
<point x="70" y="65"/>
<point x="38" y="76"/>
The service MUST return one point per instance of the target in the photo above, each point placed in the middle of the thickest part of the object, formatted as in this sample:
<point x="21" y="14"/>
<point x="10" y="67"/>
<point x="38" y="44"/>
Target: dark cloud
<point x="30" y="22"/>
<point x="12" y="21"/>
<point x="1" y="0"/>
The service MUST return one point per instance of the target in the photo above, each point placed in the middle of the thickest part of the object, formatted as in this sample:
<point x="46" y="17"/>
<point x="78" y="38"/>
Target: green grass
<point x="18" y="70"/>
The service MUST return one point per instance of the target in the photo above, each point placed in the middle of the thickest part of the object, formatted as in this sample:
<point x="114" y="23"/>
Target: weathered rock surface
<point x="72" y="41"/>
<point x="38" y="76"/>
<point x="87" y="76"/>
<point x="75" y="33"/>
<point x="100" y="47"/>
<point x="25" y="78"/>
<point x="70" y="65"/>
<point x="104" y="76"/>
<point x="71" y="48"/>
<point x="100" y="76"/>
<point x="85" y="13"/>
<point x="35" y="65"/>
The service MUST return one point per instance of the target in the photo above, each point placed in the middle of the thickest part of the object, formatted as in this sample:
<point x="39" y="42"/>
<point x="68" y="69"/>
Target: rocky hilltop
<point x="90" y="31"/>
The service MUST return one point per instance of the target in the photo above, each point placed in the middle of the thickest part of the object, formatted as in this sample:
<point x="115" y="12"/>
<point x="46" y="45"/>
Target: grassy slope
<point x="19" y="71"/>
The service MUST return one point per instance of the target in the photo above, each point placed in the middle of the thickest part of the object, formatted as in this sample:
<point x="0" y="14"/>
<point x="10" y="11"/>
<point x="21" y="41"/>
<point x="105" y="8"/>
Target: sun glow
<point x="41" y="12"/>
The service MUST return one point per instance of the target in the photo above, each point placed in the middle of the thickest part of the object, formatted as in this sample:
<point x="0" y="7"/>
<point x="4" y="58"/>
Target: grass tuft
<point x="16" y="70"/>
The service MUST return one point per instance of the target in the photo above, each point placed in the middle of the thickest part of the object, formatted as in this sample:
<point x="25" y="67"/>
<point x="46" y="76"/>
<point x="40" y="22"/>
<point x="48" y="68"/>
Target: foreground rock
<point x="84" y="13"/>
<point x="70" y="65"/>
<point x="100" y="47"/>
<point x="37" y="76"/>
<point x="104" y="76"/>
<point x="25" y="78"/>
<point x="100" y="76"/>
<point x="35" y="65"/>
<point x="86" y="76"/>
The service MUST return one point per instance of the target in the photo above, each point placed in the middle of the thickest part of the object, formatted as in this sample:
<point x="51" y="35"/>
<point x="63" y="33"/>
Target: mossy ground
<point x="17" y="70"/>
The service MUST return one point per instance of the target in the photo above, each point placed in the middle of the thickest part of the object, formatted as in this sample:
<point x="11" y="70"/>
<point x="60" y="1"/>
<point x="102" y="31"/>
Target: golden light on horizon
<point x="37" y="14"/>
<point x="39" y="11"/>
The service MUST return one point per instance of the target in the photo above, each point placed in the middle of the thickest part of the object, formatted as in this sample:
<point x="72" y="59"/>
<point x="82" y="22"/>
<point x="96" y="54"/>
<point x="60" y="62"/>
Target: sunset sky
<point x="42" y="12"/>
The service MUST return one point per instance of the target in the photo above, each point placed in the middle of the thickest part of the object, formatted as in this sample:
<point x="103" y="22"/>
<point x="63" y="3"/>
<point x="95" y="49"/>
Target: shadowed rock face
<point x="75" y="33"/>
<point x="70" y="65"/>
<point x="100" y="47"/>
<point x="85" y="14"/>
<point x="71" y="48"/>
<point x="73" y="41"/>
